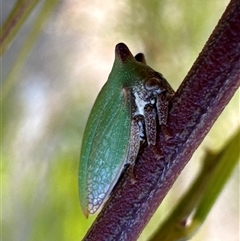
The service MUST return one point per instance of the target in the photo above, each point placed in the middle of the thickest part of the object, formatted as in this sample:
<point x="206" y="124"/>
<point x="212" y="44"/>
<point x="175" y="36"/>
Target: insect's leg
<point x="150" y="124"/>
<point x="134" y="142"/>
<point x="162" y="109"/>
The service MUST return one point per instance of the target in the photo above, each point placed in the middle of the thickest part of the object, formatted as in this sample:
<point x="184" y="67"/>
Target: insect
<point x="123" y="117"/>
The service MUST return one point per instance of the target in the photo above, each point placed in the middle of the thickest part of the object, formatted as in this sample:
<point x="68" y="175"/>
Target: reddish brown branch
<point x="204" y="93"/>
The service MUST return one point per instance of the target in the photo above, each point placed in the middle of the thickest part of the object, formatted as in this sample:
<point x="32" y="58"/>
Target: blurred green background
<point x="46" y="104"/>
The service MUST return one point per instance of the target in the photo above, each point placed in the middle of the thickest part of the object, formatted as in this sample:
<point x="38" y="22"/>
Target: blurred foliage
<point x="12" y="26"/>
<point x="14" y="22"/>
<point x="45" y="108"/>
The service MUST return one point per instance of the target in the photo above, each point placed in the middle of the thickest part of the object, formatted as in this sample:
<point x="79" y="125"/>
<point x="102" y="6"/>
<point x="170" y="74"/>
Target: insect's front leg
<point x="163" y="109"/>
<point x="136" y="137"/>
<point x="150" y="124"/>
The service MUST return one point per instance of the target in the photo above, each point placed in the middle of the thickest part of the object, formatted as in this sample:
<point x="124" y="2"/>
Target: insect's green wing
<point x="106" y="139"/>
<point x="105" y="145"/>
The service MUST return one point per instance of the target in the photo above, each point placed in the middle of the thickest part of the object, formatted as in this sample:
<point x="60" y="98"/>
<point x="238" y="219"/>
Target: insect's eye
<point x="152" y="84"/>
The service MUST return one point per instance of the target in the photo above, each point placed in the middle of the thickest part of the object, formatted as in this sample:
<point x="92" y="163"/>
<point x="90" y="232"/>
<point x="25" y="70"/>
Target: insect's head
<point x="135" y="72"/>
